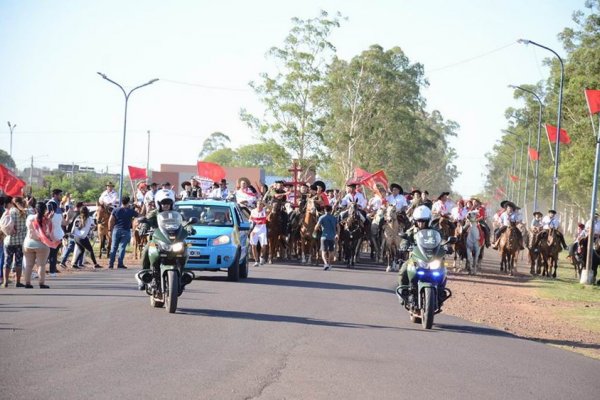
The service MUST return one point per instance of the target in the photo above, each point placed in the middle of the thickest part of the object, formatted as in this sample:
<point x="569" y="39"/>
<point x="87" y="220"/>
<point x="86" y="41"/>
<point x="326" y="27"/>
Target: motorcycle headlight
<point x="223" y="239"/>
<point x="163" y="246"/>
<point x="178" y="247"/>
<point x="435" y="264"/>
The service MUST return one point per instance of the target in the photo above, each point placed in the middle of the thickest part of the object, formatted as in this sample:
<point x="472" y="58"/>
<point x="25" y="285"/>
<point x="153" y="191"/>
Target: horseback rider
<point x="415" y="202"/>
<point x="439" y="210"/>
<point x="149" y="196"/>
<point x="481" y="219"/>
<point x="320" y="197"/>
<point x="353" y="196"/>
<point x="509" y="216"/>
<point x="109" y="197"/>
<point x="397" y="197"/>
<point x="550" y="221"/>
<point x="377" y="201"/>
<point x="459" y="212"/>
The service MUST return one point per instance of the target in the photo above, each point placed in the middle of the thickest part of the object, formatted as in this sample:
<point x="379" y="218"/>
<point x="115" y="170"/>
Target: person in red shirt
<point x="481" y="219"/>
<point x="321" y="198"/>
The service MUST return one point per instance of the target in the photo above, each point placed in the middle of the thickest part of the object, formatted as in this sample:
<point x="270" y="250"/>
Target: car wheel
<point x="233" y="273"/>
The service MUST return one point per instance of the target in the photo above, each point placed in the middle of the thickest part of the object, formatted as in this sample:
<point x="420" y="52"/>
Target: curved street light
<point x="124" y="126"/>
<point x="560" y="95"/>
<point x="539" y="135"/>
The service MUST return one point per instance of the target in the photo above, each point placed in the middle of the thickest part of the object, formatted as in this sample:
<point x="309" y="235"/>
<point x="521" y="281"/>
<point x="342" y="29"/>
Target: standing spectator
<point x="186" y="191"/>
<point x="66" y="202"/>
<point x="140" y="194"/>
<point x="120" y="226"/>
<point x="245" y="195"/>
<point x="224" y="189"/>
<point x="81" y="230"/>
<point x="37" y="244"/>
<point x="3" y="201"/>
<point x="214" y="192"/>
<point x="259" y="233"/>
<point x="70" y="217"/>
<point x="330" y="230"/>
<point x="196" y="191"/>
<point x="109" y="197"/>
<point x="55" y="215"/>
<point x="13" y="243"/>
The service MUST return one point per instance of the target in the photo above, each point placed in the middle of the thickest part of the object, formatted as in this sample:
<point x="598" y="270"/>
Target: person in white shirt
<point x="140" y="194"/>
<point x="109" y="197"/>
<point x="439" y="207"/>
<point x="149" y="196"/>
<point x="397" y="197"/>
<point x="245" y="196"/>
<point x="352" y="195"/>
<point x="550" y="221"/>
<point x="378" y="200"/>
<point x="81" y="231"/>
<point x="507" y="218"/>
<point x="259" y="232"/>
<point x="186" y="191"/>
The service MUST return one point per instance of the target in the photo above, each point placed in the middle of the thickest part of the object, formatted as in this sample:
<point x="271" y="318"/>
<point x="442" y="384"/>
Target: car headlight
<point x="178" y="247"/>
<point x="435" y="264"/>
<point x="223" y="239"/>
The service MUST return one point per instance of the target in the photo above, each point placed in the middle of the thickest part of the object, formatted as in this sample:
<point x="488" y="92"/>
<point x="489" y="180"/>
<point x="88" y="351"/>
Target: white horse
<point x="473" y="241"/>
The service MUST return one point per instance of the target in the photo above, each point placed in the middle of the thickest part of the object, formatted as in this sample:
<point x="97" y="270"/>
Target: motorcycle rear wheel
<point x="428" y="308"/>
<point x="172" y="291"/>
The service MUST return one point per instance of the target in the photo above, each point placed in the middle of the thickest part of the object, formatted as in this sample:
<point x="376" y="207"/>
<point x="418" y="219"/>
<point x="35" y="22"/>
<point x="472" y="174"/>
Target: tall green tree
<point x="215" y="141"/>
<point x="6" y="159"/>
<point x="294" y="108"/>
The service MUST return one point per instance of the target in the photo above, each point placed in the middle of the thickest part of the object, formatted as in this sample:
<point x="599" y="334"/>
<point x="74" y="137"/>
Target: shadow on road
<point x="475" y="330"/>
<point x="281" y="318"/>
<point x="314" y="285"/>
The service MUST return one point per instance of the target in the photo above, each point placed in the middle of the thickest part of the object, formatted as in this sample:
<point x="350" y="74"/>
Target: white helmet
<point x="422" y="213"/>
<point x="162" y="195"/>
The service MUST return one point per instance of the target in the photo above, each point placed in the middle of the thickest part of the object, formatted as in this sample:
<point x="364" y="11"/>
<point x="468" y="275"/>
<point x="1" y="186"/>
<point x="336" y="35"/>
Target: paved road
<point x="292" y="332"/>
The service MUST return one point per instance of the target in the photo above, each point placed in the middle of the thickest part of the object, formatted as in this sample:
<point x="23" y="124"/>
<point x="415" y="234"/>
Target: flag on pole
<point x="533" y="154"/>
<point x="514" y="178"/>
<point x="373" y="180"/>
<point x="593" y="100"/>
<point x="136" y="173"/>
<point x="552" y="133"/>
<point x="211" y="171"/>
<point x="360" y="174"/>
<point x="10" y="183"/>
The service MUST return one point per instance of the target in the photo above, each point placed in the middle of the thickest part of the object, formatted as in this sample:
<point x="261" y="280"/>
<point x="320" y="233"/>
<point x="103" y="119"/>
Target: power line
<point x="472" y="58"/>
<point x="200" y="85"/>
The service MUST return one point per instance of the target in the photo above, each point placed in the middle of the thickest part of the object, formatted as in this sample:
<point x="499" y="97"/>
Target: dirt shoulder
<point x="515" y="305"/>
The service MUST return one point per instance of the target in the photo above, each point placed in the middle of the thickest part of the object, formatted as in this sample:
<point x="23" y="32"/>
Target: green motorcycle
<point x="424" y="296"/>
<point x="165" y="280"/>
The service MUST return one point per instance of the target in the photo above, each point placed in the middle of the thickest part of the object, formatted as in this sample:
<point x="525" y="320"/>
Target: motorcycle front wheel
<point x="428" y="307"/>
<point x="171" y="294"/>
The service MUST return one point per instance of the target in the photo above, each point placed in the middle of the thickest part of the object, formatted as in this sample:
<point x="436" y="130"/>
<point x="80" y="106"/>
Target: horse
<point x="276" y="230"/>
<point x="140" y="237"/>
<point x="377" y="223"/>
<point x="460" y="247"/>
<point x="535" y="260"/>
<point x="351" y="234"/>
<point x="580" y="258"/>
<point x="105" y="236"/>
<point x="474" y="242"/>
<point x="444" y="225"/>
<point x="308" y="239"/>
<point x="509" y="245"/>
<point x="391" y="238"/>
<point x="293" y="246"/>
<point x="550" y="247"/>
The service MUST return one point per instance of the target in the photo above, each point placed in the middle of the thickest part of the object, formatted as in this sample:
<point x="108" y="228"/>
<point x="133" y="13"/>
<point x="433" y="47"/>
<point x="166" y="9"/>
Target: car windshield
<point x="206" y="214"/>
<point x="428" y="239"/>
<point x="169" y="220"/>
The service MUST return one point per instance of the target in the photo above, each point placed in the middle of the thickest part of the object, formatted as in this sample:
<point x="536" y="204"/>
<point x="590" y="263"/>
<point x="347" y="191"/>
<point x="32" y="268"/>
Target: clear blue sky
<point x="50" y="53"/>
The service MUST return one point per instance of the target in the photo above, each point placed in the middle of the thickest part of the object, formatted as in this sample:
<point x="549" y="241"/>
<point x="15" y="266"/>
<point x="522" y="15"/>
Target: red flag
<point x="593" y="100"/>
<point x="10" y="183"/>
<point x="500" y="191"/>
<point x="533" y="154"/>
<point x="378" y="178"/>
<point x="211" y="171"/>
<point x="360" y="174"/>
<point x="551" y="131"/>
<point x="514" y="178"/>
<point x="137" y="173"/>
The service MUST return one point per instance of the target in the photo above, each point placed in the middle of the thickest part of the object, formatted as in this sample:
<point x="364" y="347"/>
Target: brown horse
<point x="308" y="241"/>
<point x="535" y="260"/>
<point x="351" y="234"/>
<point x="275" y="231"/>
<point x="509" y="246"/>
<point x="550" y="247"/>
<point x="140" y="237"/>
<point x="104" y="235"/>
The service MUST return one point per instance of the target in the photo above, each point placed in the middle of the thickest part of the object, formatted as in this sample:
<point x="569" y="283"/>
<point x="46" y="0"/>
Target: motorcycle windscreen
<point x="428" y="241"/>
<point x="169" y="222"/>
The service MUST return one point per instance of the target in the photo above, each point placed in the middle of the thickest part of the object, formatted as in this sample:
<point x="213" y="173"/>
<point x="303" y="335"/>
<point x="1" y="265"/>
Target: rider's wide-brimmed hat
<point x="351" y="184"/>
<point x="416" y="191"/>
<point x="185" y="183"/>
<point x="443" y="194"/>
<point x="320" y="184"/>
<point x="537" y="213"/>
<point x="395" y="185"/>
<point x="551" y="211"/>
<point x="507" y="203"/>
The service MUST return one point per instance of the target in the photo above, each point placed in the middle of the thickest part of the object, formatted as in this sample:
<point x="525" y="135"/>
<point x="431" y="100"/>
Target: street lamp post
<point x="539" y="136"/>
<point x="11" y="128"/>
<point x="560" y="95"/>
<point x="124" y="126"/>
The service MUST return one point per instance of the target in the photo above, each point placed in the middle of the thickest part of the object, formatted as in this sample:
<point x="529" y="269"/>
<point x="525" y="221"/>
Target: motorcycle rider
<point x="421" y="218"/>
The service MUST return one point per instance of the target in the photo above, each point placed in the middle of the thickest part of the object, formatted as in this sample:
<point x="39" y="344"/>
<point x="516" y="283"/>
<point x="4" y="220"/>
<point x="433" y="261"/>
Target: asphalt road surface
<point x="288" y="332"/>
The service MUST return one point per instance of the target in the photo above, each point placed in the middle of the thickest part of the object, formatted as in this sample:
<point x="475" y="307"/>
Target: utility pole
<point x="11" y="128"/>
<point x="31" y="176"/>
<point x="148" y="158"/>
